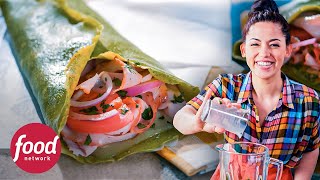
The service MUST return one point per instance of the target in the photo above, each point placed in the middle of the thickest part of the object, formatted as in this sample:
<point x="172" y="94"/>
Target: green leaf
<point x="147" y="114"/>
<point x="117" y="82"/>
<point x="122" y="93"/>
<point x="88" y="140"/>
<point x="90" y="111"/>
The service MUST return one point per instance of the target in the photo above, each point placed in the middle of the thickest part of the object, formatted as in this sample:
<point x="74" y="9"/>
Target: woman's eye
<point x="275" y="45"/>
<point x="254" y="44"/>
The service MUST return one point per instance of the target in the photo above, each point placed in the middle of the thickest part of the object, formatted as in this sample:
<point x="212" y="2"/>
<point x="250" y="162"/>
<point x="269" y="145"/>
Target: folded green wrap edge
<point x="296" y="72"/>
<point x="53" y="41"/>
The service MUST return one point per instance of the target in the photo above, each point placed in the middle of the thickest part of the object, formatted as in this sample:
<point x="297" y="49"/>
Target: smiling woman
<point x="284" y="114"/>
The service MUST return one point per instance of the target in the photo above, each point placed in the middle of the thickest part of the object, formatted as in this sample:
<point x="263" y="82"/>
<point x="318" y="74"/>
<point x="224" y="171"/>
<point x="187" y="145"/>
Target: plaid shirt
<point x="289" y="130"/>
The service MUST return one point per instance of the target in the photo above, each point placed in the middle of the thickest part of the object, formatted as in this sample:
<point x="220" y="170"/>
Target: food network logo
<point x="35" y="148"/>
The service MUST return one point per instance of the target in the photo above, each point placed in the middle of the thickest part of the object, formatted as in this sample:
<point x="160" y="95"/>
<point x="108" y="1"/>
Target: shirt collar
<point x="288" y="93"/>
<point x="246" y="88"/>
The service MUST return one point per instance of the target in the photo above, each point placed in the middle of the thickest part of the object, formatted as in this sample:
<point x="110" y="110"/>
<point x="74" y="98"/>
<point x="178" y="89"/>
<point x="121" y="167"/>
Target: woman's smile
<point x="264" y="63"/>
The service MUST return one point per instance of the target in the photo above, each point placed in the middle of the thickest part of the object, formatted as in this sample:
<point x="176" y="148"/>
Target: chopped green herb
<point x="140" y="126"/>
<point x="88" y="140"/>
<point x="122" y="93"/>
<point x="124" y="110"/>
<point x="105" y="106"/>
<point x="102" y="103"/>
<point x="177" y="99"/>
<point x="139" y="96"/>
<point x="137" y="105"/>
<point x="90" y="111"/>
<point x="137" y="63"/>
<point x="147" y="114"/>
<point x="161" y="117"/>
<point x="99" y="95"/>
<point x="117" y="82"/>
<point x="153" y="125"/>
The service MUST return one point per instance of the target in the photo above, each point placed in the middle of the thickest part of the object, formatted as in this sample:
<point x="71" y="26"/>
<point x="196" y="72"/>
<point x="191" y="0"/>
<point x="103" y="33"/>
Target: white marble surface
<point x="185" y="31"/>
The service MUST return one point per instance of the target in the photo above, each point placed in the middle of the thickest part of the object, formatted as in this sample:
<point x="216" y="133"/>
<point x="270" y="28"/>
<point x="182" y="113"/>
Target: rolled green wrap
<point x="297" y="72"/>
<point x="53" y="41"/>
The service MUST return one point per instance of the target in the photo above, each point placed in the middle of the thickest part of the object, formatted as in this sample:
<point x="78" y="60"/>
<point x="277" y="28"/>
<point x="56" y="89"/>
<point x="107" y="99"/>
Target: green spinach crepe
<point x="304" y="63"/>
<point x="61" y="46"/>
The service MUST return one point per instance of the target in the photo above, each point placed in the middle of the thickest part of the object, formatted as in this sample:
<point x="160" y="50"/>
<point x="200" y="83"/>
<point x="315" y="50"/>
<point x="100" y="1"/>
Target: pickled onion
<point x="304" y="43"/>
<point x="99" y="99"/>
<point x="143" y="87"/>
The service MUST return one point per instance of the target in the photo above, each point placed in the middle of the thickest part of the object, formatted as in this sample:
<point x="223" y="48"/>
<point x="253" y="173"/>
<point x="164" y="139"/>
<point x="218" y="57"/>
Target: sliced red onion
<point x="145" y="105"/>
<point x="304" y="43"/>
<point x="77" y="95"/>
<point x="143" y="87"/>
<point x="98" y="117"/>
<point x="123" y="130"/>
<point x="146" y="78"/>
<point x="93" y="102"/>
<point x="87" y="85"/>
<point x="155" y="92"/>
<point x="99" y="87"/>
<point x="130" y="76"/>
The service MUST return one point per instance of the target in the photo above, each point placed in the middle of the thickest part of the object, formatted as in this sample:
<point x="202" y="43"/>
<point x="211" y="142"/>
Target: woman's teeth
<point x="264" y="63"/>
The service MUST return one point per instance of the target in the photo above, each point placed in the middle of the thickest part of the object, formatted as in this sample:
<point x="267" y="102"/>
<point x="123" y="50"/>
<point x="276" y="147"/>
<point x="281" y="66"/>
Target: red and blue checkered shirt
<point x="289" y="130"/>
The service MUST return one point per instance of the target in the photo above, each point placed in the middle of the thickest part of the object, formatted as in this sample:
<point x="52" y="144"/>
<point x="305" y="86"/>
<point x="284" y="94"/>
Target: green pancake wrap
<point x="299" y="72"/>
<point x="53" y="41"/>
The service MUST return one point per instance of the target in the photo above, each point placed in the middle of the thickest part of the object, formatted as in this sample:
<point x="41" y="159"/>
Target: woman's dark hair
<point x="266" y="11"/>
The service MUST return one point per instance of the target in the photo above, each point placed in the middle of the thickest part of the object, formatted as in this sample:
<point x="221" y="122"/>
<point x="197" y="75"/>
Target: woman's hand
<point x="188" y="121"/>
<point x="209" y="127"/>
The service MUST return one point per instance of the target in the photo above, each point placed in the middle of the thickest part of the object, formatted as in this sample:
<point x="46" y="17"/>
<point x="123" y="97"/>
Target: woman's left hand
<point x="208" y="127"/>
